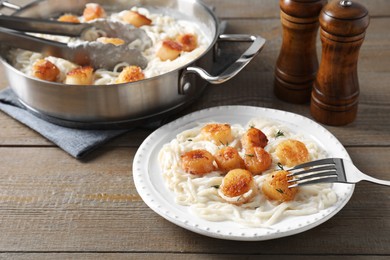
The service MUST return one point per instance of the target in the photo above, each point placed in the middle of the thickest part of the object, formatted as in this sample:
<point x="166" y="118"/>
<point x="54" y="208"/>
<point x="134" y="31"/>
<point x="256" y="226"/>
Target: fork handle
<point x="375" y="180"/>
<point x="360" y="176"/>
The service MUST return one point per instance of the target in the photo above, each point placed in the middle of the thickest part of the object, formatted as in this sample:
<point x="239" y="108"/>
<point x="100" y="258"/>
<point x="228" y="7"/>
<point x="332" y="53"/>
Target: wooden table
<point x="54" y="206"/>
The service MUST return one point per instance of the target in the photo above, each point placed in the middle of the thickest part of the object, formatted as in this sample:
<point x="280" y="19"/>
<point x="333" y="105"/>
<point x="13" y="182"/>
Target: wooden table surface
<point x="55" y="206"/>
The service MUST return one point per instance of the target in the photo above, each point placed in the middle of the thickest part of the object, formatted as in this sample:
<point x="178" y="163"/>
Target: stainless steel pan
<point x="123" y="105"/>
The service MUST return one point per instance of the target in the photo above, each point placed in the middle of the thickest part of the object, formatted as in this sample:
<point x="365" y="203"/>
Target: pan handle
<point x="256" y="46"/>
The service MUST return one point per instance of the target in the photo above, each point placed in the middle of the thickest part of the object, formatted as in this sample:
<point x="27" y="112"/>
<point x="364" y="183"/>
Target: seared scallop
<point x="257" y="160"/>
<point x="227" y="158"/>
<point x="188" y="41"/>
<point x="135" y="18"/>
<point x="275" y="187"/>
<point x="93" y="11"/>
<point x="238" y="187"/>
<point x="80" y="76"/>
<point x="218" y="133"/>
<point x="130" y="74"/>
<point x="292" y="152"/>
<point x="254" y="137"/>
<point x="169" y="50"/>
<point x="45" y="70"/>
<point x="198" y="162"/>
<point x="69" y="18"/>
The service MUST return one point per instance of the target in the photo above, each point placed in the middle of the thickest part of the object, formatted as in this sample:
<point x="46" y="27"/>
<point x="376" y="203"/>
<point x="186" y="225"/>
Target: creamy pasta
<point x="200" y="193"/>
<point x="161" y="28"/>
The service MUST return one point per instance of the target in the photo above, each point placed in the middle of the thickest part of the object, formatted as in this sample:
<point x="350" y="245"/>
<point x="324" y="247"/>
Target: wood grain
<point x="54" y="206"/>
<point x="167" y="256"/>
<point x="94" y="207"/>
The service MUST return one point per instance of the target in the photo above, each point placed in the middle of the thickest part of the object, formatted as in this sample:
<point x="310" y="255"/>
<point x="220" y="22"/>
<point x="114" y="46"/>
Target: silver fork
<point x="329" y="170"/>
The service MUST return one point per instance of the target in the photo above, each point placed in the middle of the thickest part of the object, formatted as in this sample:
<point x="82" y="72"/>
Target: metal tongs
<point x="95" y="54"/>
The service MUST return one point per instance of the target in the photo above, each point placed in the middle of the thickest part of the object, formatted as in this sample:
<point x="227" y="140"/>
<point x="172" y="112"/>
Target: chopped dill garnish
<point x="280" y="191"/>
<point x="250" y="155"/>
<point x="216" y="186"/>
<point x="279" y="134"/>
<point x="280" y="166"/>
<point x="227" y="144"/>
<point x="190" y="140"/>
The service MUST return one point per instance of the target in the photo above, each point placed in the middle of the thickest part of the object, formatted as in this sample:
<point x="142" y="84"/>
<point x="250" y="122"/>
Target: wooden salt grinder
<point x="334" y="98"/>
<point x="297" y="63"/>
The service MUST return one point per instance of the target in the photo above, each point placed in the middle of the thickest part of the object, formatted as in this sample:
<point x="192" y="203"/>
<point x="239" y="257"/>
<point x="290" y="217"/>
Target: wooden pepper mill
<point x="297" y="63"/>
<point x="334" y="99"/>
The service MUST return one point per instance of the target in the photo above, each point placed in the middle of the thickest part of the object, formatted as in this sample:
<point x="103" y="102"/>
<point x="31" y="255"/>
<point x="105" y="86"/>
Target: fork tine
<point x="314" y="175"/>
<point x="313" y="163"/>
<point x="314" y="181"/>
<point x="296" y="172"/>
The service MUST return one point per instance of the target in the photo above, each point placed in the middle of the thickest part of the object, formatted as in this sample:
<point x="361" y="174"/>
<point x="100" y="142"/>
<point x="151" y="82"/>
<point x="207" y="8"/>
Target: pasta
<point x="201" y="193"/>
<point x="161" y="28"/>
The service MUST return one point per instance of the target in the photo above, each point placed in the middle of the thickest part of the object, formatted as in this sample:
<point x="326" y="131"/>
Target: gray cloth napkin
<point x="76" y="142"/>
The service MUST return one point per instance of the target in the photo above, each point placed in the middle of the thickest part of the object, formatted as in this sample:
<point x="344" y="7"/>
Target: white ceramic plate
<point x="151" y="186"/>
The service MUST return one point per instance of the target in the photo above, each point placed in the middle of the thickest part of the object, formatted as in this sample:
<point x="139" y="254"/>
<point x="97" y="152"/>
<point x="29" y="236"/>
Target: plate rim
<point x="164" y="211"/>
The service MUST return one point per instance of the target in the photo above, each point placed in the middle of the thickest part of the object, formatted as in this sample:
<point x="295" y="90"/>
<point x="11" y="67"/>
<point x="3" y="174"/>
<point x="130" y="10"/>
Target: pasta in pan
<point x="160" y="28"/>
<point x="202" y="193"/>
